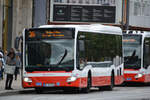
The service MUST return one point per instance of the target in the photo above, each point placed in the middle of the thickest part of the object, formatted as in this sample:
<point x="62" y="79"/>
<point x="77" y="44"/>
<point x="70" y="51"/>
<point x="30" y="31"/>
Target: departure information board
<point x="84" y="13"/>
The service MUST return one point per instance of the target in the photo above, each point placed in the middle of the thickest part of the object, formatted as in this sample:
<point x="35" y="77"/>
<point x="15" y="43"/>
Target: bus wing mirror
<point x="81" y="45"/>
<point x="17" y="40"/>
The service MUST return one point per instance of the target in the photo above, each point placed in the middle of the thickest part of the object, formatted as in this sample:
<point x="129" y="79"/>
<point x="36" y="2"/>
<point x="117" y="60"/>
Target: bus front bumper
<point x="51" y="82"/>
<point x="134" y="77"/>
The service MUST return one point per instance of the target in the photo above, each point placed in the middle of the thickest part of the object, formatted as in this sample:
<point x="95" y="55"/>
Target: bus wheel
<point x="87" y="89"/>
<point x="110" y="88"/>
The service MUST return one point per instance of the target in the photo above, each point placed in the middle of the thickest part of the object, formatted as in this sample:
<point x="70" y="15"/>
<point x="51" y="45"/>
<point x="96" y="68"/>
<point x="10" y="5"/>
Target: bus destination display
<point x="48" y="33"/>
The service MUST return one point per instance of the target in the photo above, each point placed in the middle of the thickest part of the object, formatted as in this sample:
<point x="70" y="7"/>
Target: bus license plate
<point x="48" y="84"/>
<point x="129" y="79"/>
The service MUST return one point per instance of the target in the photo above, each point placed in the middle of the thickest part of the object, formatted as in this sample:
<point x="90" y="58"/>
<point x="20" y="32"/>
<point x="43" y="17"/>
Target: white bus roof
<point x="143" y="33"/>
<point x="97" y="28"/>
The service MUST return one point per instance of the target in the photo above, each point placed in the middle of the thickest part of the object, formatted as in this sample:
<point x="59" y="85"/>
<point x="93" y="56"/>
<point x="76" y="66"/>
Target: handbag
<point x="9" y="69"/>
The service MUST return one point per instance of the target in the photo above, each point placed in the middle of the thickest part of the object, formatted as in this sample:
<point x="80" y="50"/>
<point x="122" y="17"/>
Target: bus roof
<point x="97" y="28"/>
<point x="133" y="32"/>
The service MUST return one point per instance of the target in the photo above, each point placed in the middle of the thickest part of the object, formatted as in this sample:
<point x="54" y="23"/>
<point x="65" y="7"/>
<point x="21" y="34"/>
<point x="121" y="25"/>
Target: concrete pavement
<point x="16" y="85"/>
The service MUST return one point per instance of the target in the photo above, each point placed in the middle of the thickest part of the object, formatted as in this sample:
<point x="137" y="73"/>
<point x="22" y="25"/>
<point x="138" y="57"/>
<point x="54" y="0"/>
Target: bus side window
<point x="81" y="51"/>
<point x="146" y="53"/>
<point x="81" y="45"/>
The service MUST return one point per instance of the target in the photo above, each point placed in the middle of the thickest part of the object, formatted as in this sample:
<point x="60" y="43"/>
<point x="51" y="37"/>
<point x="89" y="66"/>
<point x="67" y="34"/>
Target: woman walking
<point x="11" y="61"/>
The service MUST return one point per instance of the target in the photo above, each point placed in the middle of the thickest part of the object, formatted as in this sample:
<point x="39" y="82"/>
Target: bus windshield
<point x="132" y="51"/>
<point x="50" y="55"/>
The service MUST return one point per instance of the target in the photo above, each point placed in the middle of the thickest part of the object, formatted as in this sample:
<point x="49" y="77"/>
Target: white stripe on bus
<point x="46" y="74"/>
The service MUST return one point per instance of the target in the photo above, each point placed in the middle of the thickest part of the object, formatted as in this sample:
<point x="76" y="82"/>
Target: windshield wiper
<point x="63" y="57"/>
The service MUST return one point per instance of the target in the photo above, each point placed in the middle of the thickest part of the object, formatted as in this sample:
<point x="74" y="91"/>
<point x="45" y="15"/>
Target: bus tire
<point x="110" y="88"/>
<point x="87" y="89"/>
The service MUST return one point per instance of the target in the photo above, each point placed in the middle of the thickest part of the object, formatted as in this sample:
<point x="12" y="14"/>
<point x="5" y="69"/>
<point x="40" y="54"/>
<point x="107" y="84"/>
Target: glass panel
<point x="146" y="51"/>
<point x="101" y="50"/>
<point x="50" y="54"/>
<point x="132" y="51"/>
<point x="49" y="33"/>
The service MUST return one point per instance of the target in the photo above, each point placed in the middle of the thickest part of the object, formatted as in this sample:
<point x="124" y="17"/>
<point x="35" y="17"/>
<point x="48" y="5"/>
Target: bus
<point x="136" y="47"/>
<point x="72" y="57"/>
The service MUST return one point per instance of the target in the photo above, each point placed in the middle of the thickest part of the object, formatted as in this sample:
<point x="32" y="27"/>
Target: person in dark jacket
<point x="11" y="61"/>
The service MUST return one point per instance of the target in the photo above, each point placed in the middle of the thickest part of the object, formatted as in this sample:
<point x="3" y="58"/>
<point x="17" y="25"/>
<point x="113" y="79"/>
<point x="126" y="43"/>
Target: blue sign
<point x="58" y="84"/>
<point x="129" y="79"/>
<point x="38" y="84"/>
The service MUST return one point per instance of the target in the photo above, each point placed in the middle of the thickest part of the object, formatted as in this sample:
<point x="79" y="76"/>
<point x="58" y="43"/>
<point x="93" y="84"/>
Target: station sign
<point x="76" y="12"/>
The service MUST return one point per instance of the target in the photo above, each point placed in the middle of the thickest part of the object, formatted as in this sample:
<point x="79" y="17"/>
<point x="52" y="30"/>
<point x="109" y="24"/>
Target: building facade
<point x="139" y="14"/>
<point x="1" y="21"/>
<point x="15" y="15"/>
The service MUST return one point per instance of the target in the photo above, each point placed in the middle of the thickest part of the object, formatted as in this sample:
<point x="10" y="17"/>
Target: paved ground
<point x="131" y="92"/>
<point x="16" y="85"/>
<point x="119" y="93"/>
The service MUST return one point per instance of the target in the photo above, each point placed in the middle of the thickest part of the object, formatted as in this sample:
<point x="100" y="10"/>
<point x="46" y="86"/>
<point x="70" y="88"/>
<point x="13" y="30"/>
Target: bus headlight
<point x="71" y="79"/>
<point x="139" y="75"/>
<point x="26" y="79"/>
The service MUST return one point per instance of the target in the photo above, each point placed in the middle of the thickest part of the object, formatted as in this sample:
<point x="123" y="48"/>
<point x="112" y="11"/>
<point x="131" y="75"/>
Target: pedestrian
<point x="2" y="64"/>
<point x="11" y="62"/>
<point x="18" y="65"/>
<point x="1" y="50"/>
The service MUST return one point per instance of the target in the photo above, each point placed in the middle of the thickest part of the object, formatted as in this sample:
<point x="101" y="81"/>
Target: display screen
<point x="84" y="13"/>
<point x="131" y="39"/>
<point x="46" y="33"/>
<point x="132" y="51"/>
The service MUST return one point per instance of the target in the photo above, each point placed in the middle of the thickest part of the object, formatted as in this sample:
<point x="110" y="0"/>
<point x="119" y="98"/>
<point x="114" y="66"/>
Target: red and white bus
<point x="72" y="56"/>
<point x="136" y="46"/>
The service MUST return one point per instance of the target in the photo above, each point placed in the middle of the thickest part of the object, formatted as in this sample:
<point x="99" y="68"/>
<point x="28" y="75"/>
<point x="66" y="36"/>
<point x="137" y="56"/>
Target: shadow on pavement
<point x="133" y="84"/>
